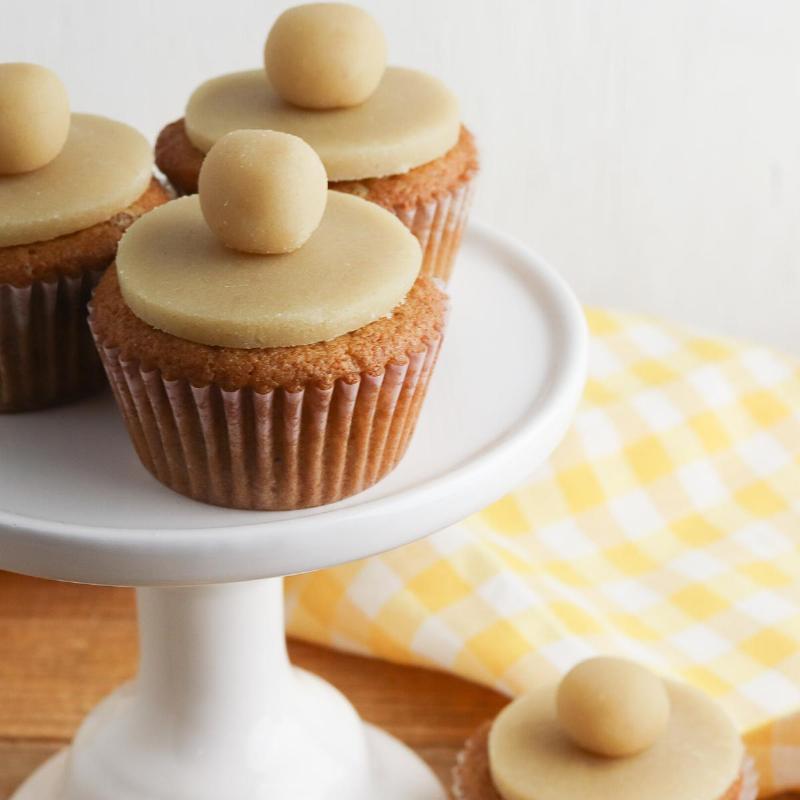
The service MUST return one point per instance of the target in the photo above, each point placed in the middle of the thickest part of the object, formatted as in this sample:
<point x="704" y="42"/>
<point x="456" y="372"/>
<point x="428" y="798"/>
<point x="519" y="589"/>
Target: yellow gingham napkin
<point x="665" y="528"/>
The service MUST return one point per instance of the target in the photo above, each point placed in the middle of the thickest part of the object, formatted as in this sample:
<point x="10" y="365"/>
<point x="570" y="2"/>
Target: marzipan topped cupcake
<point x="389" y="135"/>
<point x="610" y="731"/>
<point x="269" y="341"/>
<point x="70" y="184"/>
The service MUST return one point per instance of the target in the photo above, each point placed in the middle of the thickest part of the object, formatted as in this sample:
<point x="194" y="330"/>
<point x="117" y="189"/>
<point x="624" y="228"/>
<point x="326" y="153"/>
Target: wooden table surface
<point x="63" y="647"/>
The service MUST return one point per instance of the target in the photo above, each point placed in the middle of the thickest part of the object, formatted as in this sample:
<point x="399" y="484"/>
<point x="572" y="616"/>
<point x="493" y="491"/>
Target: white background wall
<point x="649" y="148"/>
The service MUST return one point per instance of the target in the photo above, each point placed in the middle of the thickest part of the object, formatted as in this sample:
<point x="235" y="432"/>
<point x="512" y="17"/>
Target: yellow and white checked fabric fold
<point x="666" y="528"/>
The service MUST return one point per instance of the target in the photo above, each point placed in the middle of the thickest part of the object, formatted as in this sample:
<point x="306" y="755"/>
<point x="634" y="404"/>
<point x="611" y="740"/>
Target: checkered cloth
<point x="665" y="528"/>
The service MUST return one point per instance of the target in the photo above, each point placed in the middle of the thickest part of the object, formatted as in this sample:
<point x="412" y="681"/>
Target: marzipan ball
<point x="263" y="191"/>
<point x="613" y="707"/>
<point x="325" y="55"/>
<point x="34" y="117"/>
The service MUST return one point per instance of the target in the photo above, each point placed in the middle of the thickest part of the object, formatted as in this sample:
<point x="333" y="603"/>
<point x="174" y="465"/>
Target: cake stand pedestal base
<point x="217" y="711"/>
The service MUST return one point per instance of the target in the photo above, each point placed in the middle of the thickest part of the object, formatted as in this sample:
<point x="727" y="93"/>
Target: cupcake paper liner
<point x="46" y="352"/>
<point x="278" y="450"/>
<point x="439" y="225"/>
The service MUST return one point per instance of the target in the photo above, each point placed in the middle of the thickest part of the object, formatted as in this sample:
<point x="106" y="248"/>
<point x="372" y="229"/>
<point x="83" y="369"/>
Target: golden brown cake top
<point x="181" y="161"/>
<point x="609" y="730"/>
<point x="86" y="250"/>
<point x="443" y="175"/>
<point x="104" y="166"/>
<point x="266" y="256"/>
<point x="325" y="80"/>
<point x="60" y="173"/>
<point x="412" y="328"/>
<point x="411" y="119"/>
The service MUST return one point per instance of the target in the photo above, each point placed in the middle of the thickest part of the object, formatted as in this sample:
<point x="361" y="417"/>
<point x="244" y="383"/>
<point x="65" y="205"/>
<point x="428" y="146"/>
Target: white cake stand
<point x="216" y="711"/>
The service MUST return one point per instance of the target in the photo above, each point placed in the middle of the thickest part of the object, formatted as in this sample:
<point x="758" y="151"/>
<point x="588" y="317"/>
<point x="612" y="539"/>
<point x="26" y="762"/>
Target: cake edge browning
<point x="74" y="254"/>
<point x="180" y="161"/>
<point x="412" y="327"/>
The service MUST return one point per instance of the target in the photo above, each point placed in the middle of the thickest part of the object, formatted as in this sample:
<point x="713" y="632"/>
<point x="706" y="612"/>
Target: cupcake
<point x="269" y="342"/>
<point x="611" y="729"/>
<point x="387" y="134"/>
<point x="70" y="184"/>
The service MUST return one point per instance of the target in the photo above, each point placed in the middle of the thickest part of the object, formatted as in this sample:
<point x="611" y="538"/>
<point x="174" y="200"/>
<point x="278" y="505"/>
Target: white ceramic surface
<point x="216" y="710"/>
<point x="75" y="504"/>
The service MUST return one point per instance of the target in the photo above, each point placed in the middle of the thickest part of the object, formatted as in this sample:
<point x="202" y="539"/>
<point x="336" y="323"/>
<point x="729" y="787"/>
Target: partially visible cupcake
<point x="70" y="184"/>
<point x="269" y="342"/>
<point x="611" y="729"/>
<point x="389" y="135"/>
